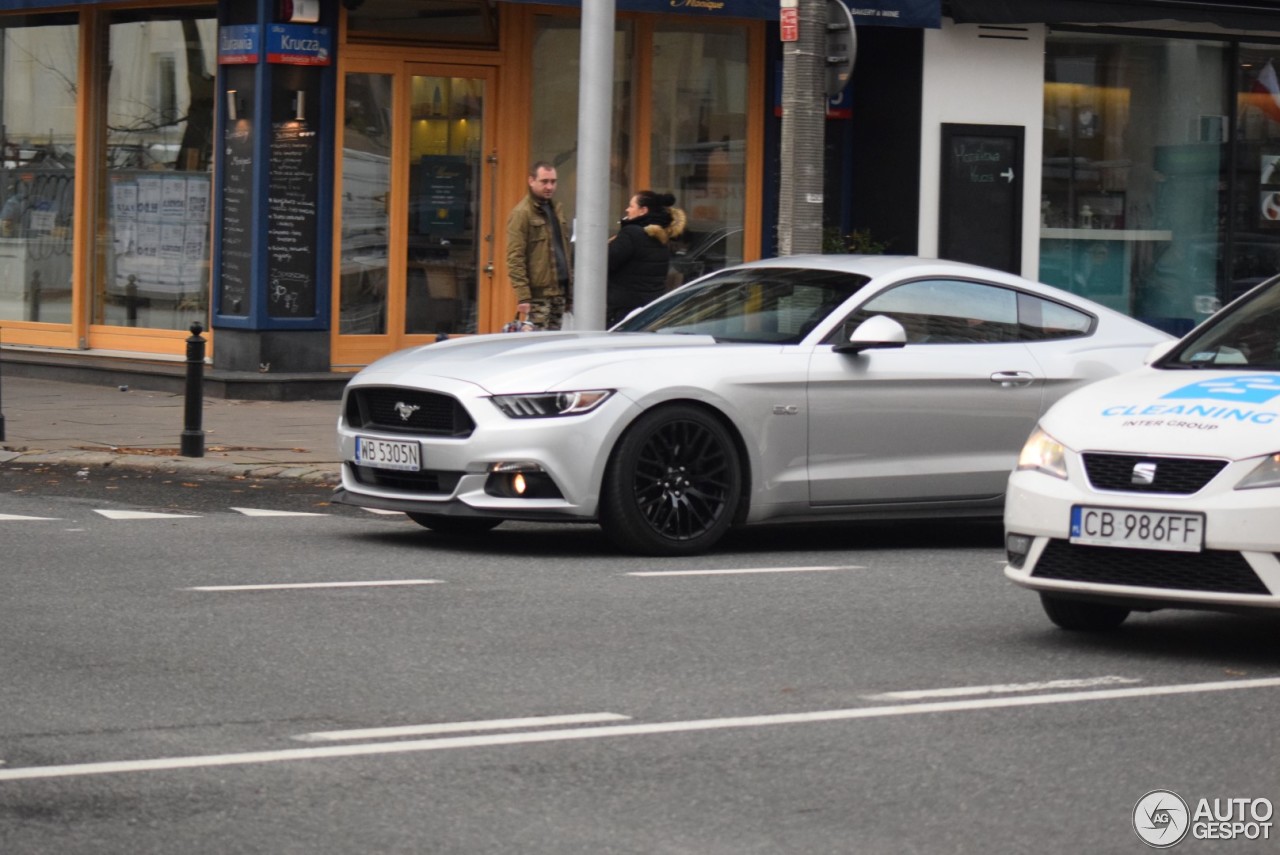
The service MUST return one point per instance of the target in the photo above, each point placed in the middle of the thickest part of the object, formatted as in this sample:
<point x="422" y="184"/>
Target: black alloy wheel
<point x="673" y="484"/>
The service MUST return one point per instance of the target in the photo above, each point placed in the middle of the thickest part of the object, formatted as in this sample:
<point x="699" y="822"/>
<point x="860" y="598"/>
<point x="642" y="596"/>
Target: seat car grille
<point x="436" y="482"/>
<point x="1213" y="570"/>
<point x="1175" y="475"/>
<point x="407" y="411"/>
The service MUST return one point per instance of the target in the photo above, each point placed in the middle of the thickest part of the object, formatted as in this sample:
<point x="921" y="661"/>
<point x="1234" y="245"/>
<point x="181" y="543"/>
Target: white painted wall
<point x="972" y="79"/>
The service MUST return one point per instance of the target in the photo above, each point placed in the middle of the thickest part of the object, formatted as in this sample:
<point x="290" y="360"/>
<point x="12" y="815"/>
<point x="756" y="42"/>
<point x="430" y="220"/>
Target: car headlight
<point x="1043" y="453"/>
<point x="550" y="404"/>
<point x="1265" y="474"/>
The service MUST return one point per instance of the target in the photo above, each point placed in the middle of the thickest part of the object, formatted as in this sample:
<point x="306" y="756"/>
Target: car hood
<point x="1153" y="411"/>
<point x="524" y="362"/>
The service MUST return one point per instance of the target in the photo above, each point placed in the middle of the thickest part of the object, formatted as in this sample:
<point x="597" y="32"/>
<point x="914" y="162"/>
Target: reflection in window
<point x="553" y="130"/>
<point x="157" y="183"/>
<point x="699" y="128"/>
<point x="1135" y="145"/>
<point x="38" y="72"/>
<point x="366" y="184"/>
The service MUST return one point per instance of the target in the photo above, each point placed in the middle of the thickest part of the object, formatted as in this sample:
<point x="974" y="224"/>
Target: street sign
<point x="842" y="47"/>
<point x="790" y="24"/>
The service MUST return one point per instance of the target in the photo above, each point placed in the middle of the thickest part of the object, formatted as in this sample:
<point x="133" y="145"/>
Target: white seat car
<point x="1160" y="487"/>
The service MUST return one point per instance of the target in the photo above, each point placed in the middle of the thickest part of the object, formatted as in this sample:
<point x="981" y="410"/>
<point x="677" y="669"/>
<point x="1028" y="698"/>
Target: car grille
<point x="436" y="482"/>
<point x="407" y="411"/>
<point x="1213" y="570"/>
<point x="1176" y="475"/>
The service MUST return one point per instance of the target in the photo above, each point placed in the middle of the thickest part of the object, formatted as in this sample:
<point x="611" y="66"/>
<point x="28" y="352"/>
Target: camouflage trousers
<point x="545" y="313"/>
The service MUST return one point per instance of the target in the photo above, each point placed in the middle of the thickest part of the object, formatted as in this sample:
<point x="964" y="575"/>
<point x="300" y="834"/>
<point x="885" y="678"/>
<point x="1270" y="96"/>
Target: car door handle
<point x="1013" y="379"/>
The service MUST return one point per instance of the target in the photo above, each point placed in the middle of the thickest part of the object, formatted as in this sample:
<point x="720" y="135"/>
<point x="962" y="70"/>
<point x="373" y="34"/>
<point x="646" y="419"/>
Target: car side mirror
<point x="1159" y="351"/>
<point x="876" y="333"/>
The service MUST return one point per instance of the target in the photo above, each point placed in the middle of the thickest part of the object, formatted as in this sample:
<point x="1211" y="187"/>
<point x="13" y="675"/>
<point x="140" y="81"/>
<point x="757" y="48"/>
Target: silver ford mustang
<point x="797" y="388"/>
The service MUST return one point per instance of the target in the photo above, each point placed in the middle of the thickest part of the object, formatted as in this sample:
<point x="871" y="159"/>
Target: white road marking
<point x="144" y="515"/>
<point x="262" y="512"/>
<point x="998" y="689"/>
<point x="297" y="585"/>
<point x="459" y="727"/>
<point x="385" y="513"/>
<point x="20" y="517"/>
<point x="606" y="731"/>
<point x="746" y="570"/>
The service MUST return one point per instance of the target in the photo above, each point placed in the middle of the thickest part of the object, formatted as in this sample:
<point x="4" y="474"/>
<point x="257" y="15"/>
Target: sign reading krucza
<point x="299" y="44"/>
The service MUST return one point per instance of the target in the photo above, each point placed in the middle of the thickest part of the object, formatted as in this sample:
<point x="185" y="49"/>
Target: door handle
<point x="1013" y="379"/>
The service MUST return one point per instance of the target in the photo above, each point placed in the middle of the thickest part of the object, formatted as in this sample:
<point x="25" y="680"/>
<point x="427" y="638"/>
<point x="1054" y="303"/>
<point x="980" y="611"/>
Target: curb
<point x="319" y="473"/>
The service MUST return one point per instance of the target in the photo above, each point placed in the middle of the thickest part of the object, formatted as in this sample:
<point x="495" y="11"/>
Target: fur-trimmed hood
<point x="670" y="231"/>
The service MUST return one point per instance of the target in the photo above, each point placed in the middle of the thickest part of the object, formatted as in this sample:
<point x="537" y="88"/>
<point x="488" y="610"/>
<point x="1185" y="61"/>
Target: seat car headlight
<point x="1043" y="453"/>
<point x="1265" y="474"/>
<point x="550" y="404"/>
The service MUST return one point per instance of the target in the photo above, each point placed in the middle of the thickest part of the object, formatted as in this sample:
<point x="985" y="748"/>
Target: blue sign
<point x="299" y="44"/>
<point x="238" y="45"/>
<point x="1255" y="389"/>
<point x="895" y="13"/>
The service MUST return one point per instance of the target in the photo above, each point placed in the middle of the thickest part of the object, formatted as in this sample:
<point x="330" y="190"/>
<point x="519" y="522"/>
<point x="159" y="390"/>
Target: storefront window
<point x="1255" y="234"/>
<point x="154" y="253"/>
<point x="699" y="137"/>
<point x="1135" y="154"/>
<point x="365" y="219"/>
<point x="553" y="124"/>
<point x="38" y="78"/>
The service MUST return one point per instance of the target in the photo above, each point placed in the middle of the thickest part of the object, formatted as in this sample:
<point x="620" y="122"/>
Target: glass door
<point x="416" y="224"/>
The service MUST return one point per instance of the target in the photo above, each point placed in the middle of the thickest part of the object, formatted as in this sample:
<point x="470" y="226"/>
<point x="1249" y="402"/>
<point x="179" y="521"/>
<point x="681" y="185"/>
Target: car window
<point x="1247" y="335"/>
<point x="945" y="311"/>
<point x="777" y="305"/>
<point x="1041" y="320"/>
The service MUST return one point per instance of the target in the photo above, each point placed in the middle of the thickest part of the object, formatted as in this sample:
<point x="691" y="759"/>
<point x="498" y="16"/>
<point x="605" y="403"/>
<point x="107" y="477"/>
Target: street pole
<point x="804" y="116"/>
<point x="595" y="120"/>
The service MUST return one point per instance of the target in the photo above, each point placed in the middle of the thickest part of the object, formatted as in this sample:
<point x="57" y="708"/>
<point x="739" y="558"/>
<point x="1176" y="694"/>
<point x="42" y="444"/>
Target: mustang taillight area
<point x="520" y="480"/>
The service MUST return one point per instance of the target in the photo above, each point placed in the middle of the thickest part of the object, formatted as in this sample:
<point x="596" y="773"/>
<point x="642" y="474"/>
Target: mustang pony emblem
<point x="406" y="410"/>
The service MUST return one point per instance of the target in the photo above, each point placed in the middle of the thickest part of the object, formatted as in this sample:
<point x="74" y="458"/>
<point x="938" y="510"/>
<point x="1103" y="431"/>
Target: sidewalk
<point x="93" y="425"/>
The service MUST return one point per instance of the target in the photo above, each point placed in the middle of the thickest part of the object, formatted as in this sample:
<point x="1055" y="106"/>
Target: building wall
<point x="982" y="75"/>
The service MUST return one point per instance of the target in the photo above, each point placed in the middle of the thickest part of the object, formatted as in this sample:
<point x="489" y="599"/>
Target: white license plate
<point x="1137" y="529"/>
<point x="388" y="454"/>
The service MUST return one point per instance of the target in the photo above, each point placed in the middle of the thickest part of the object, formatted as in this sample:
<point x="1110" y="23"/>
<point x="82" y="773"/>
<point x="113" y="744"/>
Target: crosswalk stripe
<point x="263" y="512"/>
<point x="143" y="515"/>
<point x="17" y="517"/>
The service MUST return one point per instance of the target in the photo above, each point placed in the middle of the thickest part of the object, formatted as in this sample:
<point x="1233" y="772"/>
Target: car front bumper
<point x="458" y="474"/>
<point x="1238" y="567"/>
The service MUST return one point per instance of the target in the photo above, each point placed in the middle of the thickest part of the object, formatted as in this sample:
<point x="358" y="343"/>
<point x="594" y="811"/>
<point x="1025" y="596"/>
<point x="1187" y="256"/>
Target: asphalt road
<point x="185" y="674"/>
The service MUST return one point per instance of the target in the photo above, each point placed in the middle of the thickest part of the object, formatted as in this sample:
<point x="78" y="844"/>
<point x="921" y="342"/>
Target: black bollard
<point x="192" y="433"/>
<point x="1" y="397"/>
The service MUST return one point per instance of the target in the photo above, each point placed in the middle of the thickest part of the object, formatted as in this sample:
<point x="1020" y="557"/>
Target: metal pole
<point x="595" y="115"/>
<point x="192" y="433"/>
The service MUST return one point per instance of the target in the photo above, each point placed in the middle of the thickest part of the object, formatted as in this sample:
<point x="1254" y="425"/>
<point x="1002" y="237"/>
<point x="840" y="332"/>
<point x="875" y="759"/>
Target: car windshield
<point x="1246" y="335"/>
<point x="765" y="305"/>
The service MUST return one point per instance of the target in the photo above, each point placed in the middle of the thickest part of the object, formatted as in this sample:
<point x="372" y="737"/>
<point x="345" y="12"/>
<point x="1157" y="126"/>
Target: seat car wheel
<point x="459" y="526"/>
<point x="1081" y="615"/>
<point x="673" y="484"/>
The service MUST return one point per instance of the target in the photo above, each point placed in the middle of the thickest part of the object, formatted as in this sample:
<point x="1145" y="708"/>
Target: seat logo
<point x="1144" y="474"/>
<point x="406" y="410"/>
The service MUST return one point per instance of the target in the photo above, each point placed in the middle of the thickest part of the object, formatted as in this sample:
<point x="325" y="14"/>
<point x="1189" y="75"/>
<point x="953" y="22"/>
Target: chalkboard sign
<point x="980" y="219"/>
<point x="291" y="221"/>
<point x="237" y="217"/>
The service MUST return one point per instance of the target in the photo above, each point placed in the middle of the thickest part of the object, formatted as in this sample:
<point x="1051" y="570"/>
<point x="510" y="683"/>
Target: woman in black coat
<point x="639" y="256"/>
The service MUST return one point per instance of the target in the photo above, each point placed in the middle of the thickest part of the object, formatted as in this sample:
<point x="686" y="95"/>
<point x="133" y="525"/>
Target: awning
<point x="892" y="13"/>
<point x="1233" y="15"/>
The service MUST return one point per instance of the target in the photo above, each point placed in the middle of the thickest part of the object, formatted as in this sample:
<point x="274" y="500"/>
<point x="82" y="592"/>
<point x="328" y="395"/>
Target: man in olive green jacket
<point x="538" y="251"/>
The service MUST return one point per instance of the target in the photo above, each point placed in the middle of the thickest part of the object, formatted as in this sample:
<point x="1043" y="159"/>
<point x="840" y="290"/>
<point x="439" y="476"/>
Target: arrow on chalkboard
<point x="1007" y="175"/>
